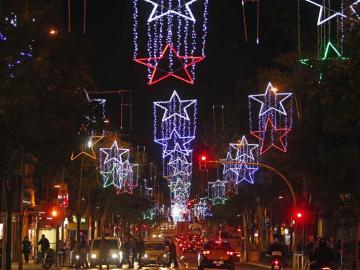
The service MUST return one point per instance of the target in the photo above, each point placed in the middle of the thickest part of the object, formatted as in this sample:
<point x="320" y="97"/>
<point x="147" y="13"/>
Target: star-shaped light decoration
<point x="111" y="177"/>
<point x="88" y="148"/>
<point x="149" y="214"/>
<point x="217" y="192"/>
<point x="244" y="150"/>
<point x="271" y="137"/>
<point x="175" y="107"/>
<point x="355" y="10"/>
<point x="182" y="9"/>
<point x="202" y="210"/>
<point x="246" y="173"/>
<point x="336" y="54"/>
<point x="322" y="19"/>
<point x="114" y="154"/>
<point x="169" y="53"/>
<point x="271" y="100"/>
<point x="175" y="139"/>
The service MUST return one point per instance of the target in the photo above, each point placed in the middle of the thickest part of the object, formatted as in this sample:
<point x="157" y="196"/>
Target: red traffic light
<point x="203" y="158"/>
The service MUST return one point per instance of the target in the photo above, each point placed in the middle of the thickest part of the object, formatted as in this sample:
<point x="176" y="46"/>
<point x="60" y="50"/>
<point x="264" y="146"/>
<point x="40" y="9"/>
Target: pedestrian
<point x="44" y="247"/>
<point x="125" y="248"/>
<point x="104" y="252"/>
<point x="83" y="249"/>
<point x="134" y="252"/>
<point x="140" y="247"/>
<point x="26" y="248"/>
<point x="173" y="254"/>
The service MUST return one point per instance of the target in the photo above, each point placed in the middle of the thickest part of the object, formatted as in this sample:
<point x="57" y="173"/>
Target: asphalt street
<point x="187" y="262"/>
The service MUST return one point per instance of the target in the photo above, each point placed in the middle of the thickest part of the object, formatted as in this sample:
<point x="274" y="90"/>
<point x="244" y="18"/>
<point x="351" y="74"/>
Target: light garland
<point x="276" y="107"/>
<point x="321" y="20"/>
<point x="201" y="210"/>
<point x="217" y="192"/>
<point x="271" y="137"/>
<point x="186" y="13"/>
<point x="87" y="148"/>
<point x="174" y="130"/>
<point x="171" y="23"/>
<point x="180" y="72"/>
<point x="116" y="169"/>
<point x="236" y="167"/>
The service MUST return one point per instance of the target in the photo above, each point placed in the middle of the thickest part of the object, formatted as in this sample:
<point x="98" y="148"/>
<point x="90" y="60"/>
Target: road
<point x="188" y="263"/>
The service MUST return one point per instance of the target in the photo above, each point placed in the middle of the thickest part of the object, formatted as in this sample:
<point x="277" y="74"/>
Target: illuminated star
<point x="269" y="101"/>
<point x="353" y="9"/>
<point x="171" y="54"/>
<point x="111" y="177"/>
<point x="175" y="138"/>
<point x="246" y="173"/>
<point x="177" y="11"/>
<point x="273" y="135"/>
<point x="244" y="150"/>
<point x="322" y="20"/>
<point x="175" y="107"/>
<point x="217" y="190"/>
<point x="88" y="149"/>
<point x="114" y="154"/>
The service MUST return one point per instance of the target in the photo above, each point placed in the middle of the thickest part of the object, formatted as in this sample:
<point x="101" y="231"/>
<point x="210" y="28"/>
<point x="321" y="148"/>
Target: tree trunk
<point x="9" y="202"/>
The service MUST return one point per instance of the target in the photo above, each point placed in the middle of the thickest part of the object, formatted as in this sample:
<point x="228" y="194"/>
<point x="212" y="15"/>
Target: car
<point x="155" y="253"/>
<point x="216" y="254"/>
<point x="115" y="255"/>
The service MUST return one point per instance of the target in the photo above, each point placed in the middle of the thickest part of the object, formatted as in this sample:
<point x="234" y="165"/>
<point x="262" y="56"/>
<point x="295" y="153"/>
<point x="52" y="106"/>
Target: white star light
<point x="175" y="11"/>
<point x="322" y="20"/>
<point x="175" y="138"/>
<point x="267" y="98"/>
<point x="244" y="150"/>
<point x="114" y="154"/>
<point x="175" y="107"/>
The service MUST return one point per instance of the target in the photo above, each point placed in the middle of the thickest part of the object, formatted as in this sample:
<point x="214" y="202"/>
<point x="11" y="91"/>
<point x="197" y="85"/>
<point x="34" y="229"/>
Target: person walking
<point x="125" y="248"/>
<point x="26" y="248"/>
<point x="104" y="252"/>
<point x="83" y="249"/>
<point x="173" y="254"/>
<point x="44" y="247"/>
<point x="134" y="252"/>
<point x="140" y="247"/>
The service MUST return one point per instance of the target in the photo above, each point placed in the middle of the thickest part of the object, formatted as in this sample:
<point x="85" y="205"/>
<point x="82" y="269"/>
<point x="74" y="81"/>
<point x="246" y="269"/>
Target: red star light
<point x="158" y="74"/>
<point x="274" y="136"/>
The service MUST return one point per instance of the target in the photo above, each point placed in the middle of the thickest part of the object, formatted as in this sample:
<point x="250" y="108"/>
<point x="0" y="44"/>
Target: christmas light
<point x="174" y="129"/>
<point x="171" y="22"/>
<point x="353" y="9"/>
<point x="202" y="210"/>
<point x="270" y="100"/>
<point x="88" y="148"/>
<point x="180" y="73"/>
<point x="116" y="169"/>
<point x="182" y="10"/>
<point x="322" y="20"/>
<point x="217" y="192"/>
<point x="149" y="214"/>
<point x="271" y="135"/>
<point x="330" y="47"/>
<point x="278" y="107"/>
<point x="236" y="167"/>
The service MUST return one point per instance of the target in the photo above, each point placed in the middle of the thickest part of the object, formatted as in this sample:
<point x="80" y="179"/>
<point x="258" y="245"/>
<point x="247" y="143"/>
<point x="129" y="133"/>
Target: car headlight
<point x="77" y="257"/>
<point x="114" y="255"/>
<point x="145" y="256"/>
<point x="93" y="256"/>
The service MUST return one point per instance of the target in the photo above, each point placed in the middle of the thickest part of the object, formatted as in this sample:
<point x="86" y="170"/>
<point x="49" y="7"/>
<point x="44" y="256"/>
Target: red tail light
<point x="180" y="245"/>
<point x="230" y="253"/>
<point x="276" y="262"/>
<point x="206" y="252"/>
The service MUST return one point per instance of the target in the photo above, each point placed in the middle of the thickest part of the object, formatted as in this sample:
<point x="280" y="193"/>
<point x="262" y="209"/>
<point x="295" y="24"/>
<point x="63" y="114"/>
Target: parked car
<point x="155" y="254"/>
<point x="115" y="255"/>
<point x="216" y="254"/>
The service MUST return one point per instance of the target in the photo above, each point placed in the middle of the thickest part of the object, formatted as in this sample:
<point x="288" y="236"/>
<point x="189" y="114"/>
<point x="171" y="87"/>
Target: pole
<point x="78" y="214"/>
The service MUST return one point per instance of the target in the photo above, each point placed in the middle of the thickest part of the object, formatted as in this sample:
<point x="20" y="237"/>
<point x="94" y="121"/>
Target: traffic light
<point x="299" y="215"/>
<point x="54" y="213"/>
<point x="202" y="162"/>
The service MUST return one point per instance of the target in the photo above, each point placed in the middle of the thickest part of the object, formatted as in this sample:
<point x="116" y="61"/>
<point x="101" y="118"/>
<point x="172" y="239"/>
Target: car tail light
<point x="180" y="245"/>
<point x="276" y="262"/>
<point x="206" y="252"/>
<point x="230" y="253"/>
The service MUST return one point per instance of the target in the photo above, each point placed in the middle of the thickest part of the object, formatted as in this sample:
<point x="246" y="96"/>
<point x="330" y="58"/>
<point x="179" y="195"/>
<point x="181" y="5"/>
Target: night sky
<point x="227" y="74"/>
